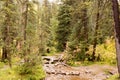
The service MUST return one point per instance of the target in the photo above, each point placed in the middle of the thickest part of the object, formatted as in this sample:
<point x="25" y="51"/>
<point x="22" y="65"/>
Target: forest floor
<point x="62" y="71"/>
<point x="56" y="70"/>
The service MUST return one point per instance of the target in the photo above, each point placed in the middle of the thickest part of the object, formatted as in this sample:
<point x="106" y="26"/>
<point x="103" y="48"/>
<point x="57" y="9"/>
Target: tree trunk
<point x="7" y="39"/>
<point x="85" y="28"/>
<point x="96" y="32"/>
<point x="6" y="34"/>
<point x="117" y="30"/>
<point x="24" y="23"/>
<point x="85" y="21"/>
<point x="25" y="18"/>
<point x="4" y="54"/>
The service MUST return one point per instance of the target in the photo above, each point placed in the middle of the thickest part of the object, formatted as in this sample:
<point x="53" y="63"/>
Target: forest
<point x="59" y="40"/>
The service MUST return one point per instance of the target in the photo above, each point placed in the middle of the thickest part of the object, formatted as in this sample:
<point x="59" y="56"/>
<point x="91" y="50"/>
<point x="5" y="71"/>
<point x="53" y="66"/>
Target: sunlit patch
<point x="51" y="1"/>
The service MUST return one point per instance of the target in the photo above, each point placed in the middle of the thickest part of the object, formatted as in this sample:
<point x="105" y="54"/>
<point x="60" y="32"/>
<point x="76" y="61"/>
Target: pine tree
<point x="79" y="31"/>
<point x="8" y="28"/>
<point x="63" y="30"/>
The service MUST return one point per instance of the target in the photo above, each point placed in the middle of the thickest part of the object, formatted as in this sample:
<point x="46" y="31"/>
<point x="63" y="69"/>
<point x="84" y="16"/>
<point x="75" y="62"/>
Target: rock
<point x="112" y="72"/>
<point x="67" y="73"/>
<point x="75" y="73"/>
<point x="46" y="62"/>
<point x="48" y="72"/>
<point x="107" y="77"/>
<point x="87" y="72"/>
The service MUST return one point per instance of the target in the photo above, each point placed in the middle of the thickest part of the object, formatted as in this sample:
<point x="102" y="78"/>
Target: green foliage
<point x="12" y="74"/>
<point x="114" y="77"/>
<point x="30" y="73"/>
<point x="12" y="22"/>
<point x="105" y="54"/>
<point x="1" y="64"/>
<point x="63" y="30"/>
<point x="71" y="29"/>
<point x="105" y="51"/>
<point x="71" y="62"/>
<point x="8" y="74"/>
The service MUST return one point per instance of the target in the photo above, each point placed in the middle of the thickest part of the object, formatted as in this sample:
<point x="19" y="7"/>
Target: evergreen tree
<point x="8" y="28"/>
<point x="79" y="31"/>
<point x="64" y="26"/>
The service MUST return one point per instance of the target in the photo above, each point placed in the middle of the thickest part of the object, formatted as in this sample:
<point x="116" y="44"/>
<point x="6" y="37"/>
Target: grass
<point x="114" y="77"/>
<point x="11" y="74"/>
<point x="1" y="64"/>
<point x="49" y="54"/>
<point x="87" y="63"/>
<point x="7" y="73"/>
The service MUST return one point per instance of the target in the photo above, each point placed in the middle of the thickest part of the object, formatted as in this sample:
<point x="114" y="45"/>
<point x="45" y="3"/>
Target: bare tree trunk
<point x="117" y="30"/>
<point x="85" y="33"/>
<point x="24" y="23"/>
<point x="96" y="32"/>
<point x="25" y="18"/>
<point x="85" y="21"/>
<point x="4" y="54"/>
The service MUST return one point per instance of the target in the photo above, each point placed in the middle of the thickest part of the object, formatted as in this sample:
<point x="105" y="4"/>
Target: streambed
<point x="61" y="71"/>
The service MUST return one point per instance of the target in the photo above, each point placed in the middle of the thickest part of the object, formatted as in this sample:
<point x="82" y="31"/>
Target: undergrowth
<point x="14" y="73"/>
<point x="114" y="77"/>
<point x="105" y="51"/>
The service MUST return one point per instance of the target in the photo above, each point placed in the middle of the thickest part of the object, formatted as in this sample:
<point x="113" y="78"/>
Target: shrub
<point x="31" y="72"/>
<point x="31" y="69"/>
<point x="105" y="51"/>
<point x="114" y="77"/>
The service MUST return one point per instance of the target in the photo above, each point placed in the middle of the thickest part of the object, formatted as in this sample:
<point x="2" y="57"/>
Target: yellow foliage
<point x="105" y="50"/>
